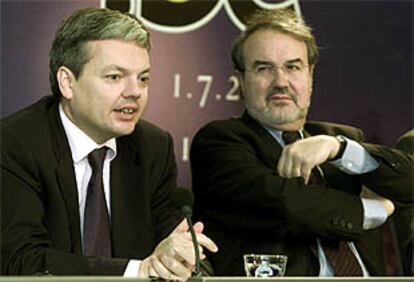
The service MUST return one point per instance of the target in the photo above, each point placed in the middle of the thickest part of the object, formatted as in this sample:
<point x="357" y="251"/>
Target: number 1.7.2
<point x="232" y="94"/>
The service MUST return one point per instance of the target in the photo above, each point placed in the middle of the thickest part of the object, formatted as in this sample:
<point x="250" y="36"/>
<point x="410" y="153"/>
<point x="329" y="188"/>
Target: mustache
<point x="282" y="91"/>
<point x="128" y="102"/>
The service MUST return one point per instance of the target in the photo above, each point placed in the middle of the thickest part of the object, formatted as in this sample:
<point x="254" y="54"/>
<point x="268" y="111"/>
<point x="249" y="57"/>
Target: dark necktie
<point x="290" y="136"/>
<point x="96" y="226"/>
<point x="342" y="260"/>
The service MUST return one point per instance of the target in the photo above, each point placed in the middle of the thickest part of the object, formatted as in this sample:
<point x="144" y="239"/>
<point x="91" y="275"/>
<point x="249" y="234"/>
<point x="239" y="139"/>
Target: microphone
<point x="183" y="200"/>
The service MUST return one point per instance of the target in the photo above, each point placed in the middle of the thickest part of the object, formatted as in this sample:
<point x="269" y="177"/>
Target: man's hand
<point x="299" y="158"/>
<point x="369" y="194"/>
<point x="174" y="257"/>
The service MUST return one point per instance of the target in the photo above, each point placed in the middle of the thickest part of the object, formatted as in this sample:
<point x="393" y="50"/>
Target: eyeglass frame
<point x="270" y="70"/>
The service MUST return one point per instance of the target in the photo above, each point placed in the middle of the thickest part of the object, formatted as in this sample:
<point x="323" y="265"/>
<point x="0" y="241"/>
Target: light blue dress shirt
<point x="355" y="160"/>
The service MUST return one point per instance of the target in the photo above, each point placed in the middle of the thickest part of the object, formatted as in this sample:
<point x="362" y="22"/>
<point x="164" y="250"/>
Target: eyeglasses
<point x="269" y="71"/>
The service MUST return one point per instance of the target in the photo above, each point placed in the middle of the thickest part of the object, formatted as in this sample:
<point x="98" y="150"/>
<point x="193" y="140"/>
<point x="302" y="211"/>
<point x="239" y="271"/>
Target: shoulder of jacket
<point x="330" y="128"/>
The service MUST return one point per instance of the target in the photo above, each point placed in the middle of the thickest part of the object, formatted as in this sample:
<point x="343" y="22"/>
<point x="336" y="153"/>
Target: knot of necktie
<point x="96" y="158"/>
<point x="290" y="136"/>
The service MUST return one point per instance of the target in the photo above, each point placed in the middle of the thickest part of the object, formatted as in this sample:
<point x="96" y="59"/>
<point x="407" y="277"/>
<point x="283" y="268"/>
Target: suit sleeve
<point x="166" y="217"/>
<point x="393" y="178"/>
<point x="234" y="186"/>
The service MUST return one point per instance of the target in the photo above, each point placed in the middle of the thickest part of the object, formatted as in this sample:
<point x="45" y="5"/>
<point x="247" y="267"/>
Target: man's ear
<point x="65" y="79"/>
<point x="239" y="76"/>
<point x="311" y="70"/>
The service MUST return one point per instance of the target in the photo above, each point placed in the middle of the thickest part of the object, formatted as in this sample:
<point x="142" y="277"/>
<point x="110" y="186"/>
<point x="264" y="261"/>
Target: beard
<point x="278" y="117"/>
<point x="278" y="113"/>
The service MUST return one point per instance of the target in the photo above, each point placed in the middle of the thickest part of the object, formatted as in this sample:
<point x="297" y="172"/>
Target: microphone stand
<point x="187" y="211"/>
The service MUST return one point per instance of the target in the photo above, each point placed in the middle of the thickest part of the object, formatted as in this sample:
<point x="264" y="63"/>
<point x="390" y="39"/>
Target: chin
<point x="124" y="131"/>
<point x="277" y="115"/>
<point x="280" y="118"/>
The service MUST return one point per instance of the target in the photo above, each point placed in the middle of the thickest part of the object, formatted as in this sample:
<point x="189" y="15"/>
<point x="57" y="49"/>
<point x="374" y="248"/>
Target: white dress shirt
<point x="81" y="145"/>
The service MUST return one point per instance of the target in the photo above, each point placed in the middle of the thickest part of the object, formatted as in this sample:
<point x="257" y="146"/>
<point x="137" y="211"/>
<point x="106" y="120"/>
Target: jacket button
<point x="342" y="223"/>
<point x="349" y="225"/>
<point x="335" y="221"/>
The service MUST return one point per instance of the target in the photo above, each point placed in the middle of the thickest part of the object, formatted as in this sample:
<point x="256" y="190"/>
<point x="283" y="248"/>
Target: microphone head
<point x="182" y="197"/>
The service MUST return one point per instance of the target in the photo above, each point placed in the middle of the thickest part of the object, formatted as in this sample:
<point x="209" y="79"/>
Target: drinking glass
<point x="259" y="265"/>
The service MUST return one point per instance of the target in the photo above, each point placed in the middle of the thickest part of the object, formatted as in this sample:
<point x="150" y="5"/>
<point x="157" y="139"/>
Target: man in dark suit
<point x="403" y="218"/>
<point x="86" y="184"/>
<point x="272" y="183"/>
<point x="406" y="142"/>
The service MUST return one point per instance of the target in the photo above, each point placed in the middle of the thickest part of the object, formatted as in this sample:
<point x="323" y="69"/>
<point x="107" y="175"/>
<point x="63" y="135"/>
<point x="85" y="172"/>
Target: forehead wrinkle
<point x="122" y="69"/>
<point x="103" y="55"/>
<point x="264" y="43"/>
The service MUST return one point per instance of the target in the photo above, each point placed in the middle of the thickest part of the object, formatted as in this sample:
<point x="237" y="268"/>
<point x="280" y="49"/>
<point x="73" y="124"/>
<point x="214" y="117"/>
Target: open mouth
<point x="126" y="111"/>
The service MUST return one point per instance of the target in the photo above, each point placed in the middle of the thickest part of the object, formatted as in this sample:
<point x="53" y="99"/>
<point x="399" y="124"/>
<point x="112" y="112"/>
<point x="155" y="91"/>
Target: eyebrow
<point x="260" y="62"/>
<point x="297" y="60"/>
<point x="123" y="70"/>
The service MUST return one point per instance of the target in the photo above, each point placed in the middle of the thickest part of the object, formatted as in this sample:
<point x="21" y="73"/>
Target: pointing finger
<point x="206" y="242"/>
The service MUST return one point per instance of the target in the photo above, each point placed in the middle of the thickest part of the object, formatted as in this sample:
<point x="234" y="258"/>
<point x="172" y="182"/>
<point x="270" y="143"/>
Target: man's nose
<point x="280" y="78"/>
<point x="133" y="88"/>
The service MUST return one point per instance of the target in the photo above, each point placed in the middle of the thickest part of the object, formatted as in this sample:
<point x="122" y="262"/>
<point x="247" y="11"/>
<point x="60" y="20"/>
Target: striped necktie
<point x="338" y="253"/>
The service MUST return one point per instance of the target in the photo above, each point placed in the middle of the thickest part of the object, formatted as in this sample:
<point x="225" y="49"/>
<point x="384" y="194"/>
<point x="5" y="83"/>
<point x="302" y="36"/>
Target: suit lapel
<point x="128" y="180"/>
<point x="271" y="147"/>
<point x="66" y="180"/>
<point x="65" y="175"/>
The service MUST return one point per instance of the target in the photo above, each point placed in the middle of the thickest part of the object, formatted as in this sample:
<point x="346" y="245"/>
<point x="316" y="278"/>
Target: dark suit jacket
<point x="248" y="208"/>
<point x="40" y="229"/>
<point x="403" y="218"/>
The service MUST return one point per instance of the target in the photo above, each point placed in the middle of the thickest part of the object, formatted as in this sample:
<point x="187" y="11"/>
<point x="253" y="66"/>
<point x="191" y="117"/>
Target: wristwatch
<point x="342" y="143"/>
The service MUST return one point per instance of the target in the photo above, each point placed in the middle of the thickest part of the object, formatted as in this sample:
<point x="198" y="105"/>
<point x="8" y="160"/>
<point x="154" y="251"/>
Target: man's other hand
<point x="174" y="257"/>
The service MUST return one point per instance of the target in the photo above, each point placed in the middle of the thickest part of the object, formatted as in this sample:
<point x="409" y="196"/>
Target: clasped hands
<point x="174" y="257"/>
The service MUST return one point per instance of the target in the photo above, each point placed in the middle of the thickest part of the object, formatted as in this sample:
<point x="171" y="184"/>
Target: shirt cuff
<point x="374" y="213"/>
<point x="355" y="160"/>
<point x="132" y="269"/>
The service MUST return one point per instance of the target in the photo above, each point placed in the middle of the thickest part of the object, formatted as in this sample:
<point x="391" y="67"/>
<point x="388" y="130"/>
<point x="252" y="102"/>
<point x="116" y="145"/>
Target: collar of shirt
<point x="277" y="134"/>
<point x="80" y="143"/>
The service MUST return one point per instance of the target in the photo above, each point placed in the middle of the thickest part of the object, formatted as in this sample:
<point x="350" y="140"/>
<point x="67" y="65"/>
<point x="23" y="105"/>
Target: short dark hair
<point x="282" y="20"/>
<point x="85" y="25"/>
